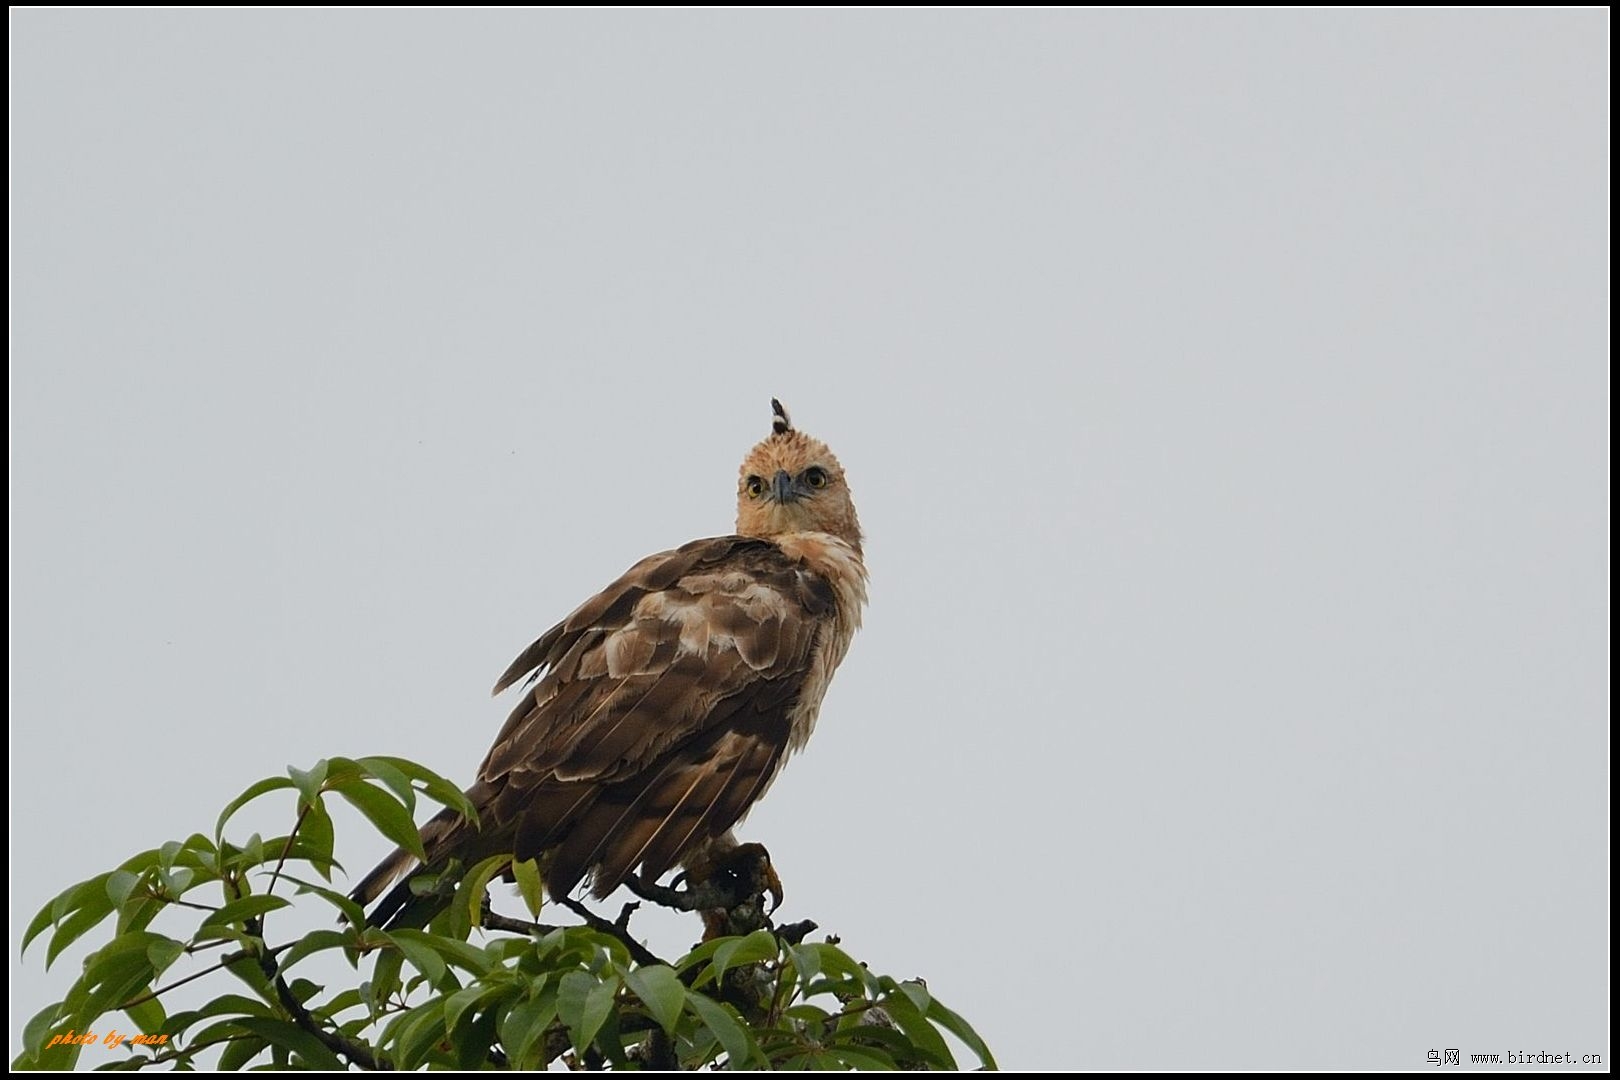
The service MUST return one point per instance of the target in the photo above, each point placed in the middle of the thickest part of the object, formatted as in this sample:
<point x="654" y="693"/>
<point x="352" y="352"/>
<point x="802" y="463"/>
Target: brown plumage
<point x="658" y="713"/>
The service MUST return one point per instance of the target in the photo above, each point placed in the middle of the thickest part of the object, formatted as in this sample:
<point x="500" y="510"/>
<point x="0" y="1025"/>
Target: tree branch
<point x="225" y="961"/>
<point x="707" y="896"/>
<point x="490" y="919"/>
<point x="358" y="1053"/>
<point x="620" y="929"/>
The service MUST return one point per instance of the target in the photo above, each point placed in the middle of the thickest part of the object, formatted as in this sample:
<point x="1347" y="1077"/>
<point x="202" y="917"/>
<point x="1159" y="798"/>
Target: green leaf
<point x="469" y="902"/>
<point x="316" y="834"/>
<point x="308" y="783"/>
<point x="720" y="1020"/>
<point x="238" y="1052"/>
<point x="76" y="925"/>
<point x="120" y="885"/>
<point x="59" y="1058"/>
<point x="844" y="989"/>
<point x="342" y="1001"/>
<point x="610" y="1041"/>
<point x="175" y="882"/>
<point x="418" y="1035"/>
<point x="959" y="1027"/>
<point x="35" y="1030"/>
<point x="294" y="1039"/>
<point x="806" y="963"/>
<point x="396" y="781"/>
<point x="923" y="1035"/>
<point x="703" y="952"/>
<point x="863" y="1057"/>
<point x="661" y="991"/>
<point x="833" y="959"/>
<point x="462" y="1000"/>
<point x="239" y="911"/>
<point x="224" y="1005"/>
<point x="295" y="848"/>
<point x="167" y="853"/>
<point x="225" y="933"/>
<point x="434" y="786"/>
<point x="342" y="770"/>
<point x="864" y="1029"/>
<point x="810" y="1014"/>
<point x="524" y="1026"/>
<point x="459" y="953"/>
<point x="36" y="927"/>
<point x="385" y="976"/>
<point x="316" y="941"/>
<point x="753" y="949"/>
<point x="112" y="975"/>
<point x="91" y="893"/>
<point x="418" y="949"/>
<point x="304" y="989"/>
<point x="149" y="1015"/>
<point x="837" y="962"/>
<point x="163" y="953"/>
<point x="248" y="970"/>
<point x="527" y="874"/>
<point x="733" y="952"/>
<point x="471" y="1045"/>
<point x="385" y="812"/>
<point x="138" y="913"/>
<point x="598" y="1004"/>
<point x="573" y="996"/>
<point x="263" y="787"/>
<point x="352" y="911"/>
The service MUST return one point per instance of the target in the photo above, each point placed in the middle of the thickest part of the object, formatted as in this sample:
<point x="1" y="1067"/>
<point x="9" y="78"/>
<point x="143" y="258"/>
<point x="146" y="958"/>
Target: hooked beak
<point x="782" y="489"/>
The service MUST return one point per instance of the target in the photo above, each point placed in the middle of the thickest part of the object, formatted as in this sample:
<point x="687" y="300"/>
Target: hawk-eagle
<point x="657" y="714"/>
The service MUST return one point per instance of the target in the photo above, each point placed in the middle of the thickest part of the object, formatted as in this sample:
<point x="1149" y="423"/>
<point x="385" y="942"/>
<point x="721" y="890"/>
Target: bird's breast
<point x="834" y="560"/>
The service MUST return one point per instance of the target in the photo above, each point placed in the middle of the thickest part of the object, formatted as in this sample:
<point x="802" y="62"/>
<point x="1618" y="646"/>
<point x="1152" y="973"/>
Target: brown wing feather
<point x="658" y="711"/>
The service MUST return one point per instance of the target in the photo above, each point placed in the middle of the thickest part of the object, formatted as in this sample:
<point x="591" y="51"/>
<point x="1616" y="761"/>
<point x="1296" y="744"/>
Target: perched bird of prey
<point x="657" y="714"/>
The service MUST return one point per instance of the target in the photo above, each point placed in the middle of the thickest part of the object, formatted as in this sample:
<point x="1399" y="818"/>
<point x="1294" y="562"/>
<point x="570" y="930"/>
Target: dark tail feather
<point x="384" y="874"/>
<point x="440" y="837"/>
<point x="402" y="909"/>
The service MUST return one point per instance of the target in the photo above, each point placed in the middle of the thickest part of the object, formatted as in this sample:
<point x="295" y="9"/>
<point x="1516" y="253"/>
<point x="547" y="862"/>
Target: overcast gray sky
<point x="1225" y="395"/>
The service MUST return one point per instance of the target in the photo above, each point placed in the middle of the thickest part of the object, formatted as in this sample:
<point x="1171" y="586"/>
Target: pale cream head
<point x="792" y="483"/>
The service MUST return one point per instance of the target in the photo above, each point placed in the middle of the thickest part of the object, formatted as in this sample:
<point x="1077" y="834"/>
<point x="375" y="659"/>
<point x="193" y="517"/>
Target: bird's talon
<point x="773" y="887"/>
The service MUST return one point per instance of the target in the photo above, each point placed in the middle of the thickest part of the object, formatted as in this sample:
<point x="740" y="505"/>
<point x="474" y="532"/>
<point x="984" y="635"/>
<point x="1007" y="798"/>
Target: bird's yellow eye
<point x="816" y="476"/>
<point x="754" y="486"/>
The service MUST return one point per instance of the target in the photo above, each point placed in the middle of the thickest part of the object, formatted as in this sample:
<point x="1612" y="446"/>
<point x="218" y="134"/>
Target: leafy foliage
<point x="523" y="996"/>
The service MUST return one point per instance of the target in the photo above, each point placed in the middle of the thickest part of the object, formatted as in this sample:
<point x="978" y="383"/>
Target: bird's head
<point x="792" y="483"/>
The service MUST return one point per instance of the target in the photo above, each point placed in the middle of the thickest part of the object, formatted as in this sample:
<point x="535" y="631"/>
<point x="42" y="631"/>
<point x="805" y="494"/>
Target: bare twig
<point x="286" y="849"/>
<point x="204" y="946"/>
<point x="491" y="920"/>
<point x="177" y="902"/>
<point x="226" y="961"/>
<point x="194" y="1048"/>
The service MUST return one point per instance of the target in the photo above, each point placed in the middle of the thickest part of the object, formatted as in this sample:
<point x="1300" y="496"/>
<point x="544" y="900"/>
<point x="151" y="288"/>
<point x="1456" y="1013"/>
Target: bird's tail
<point x="442" y="835"/>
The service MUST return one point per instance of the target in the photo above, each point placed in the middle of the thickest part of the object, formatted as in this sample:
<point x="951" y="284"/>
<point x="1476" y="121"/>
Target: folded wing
<point x="654" y="716"/>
